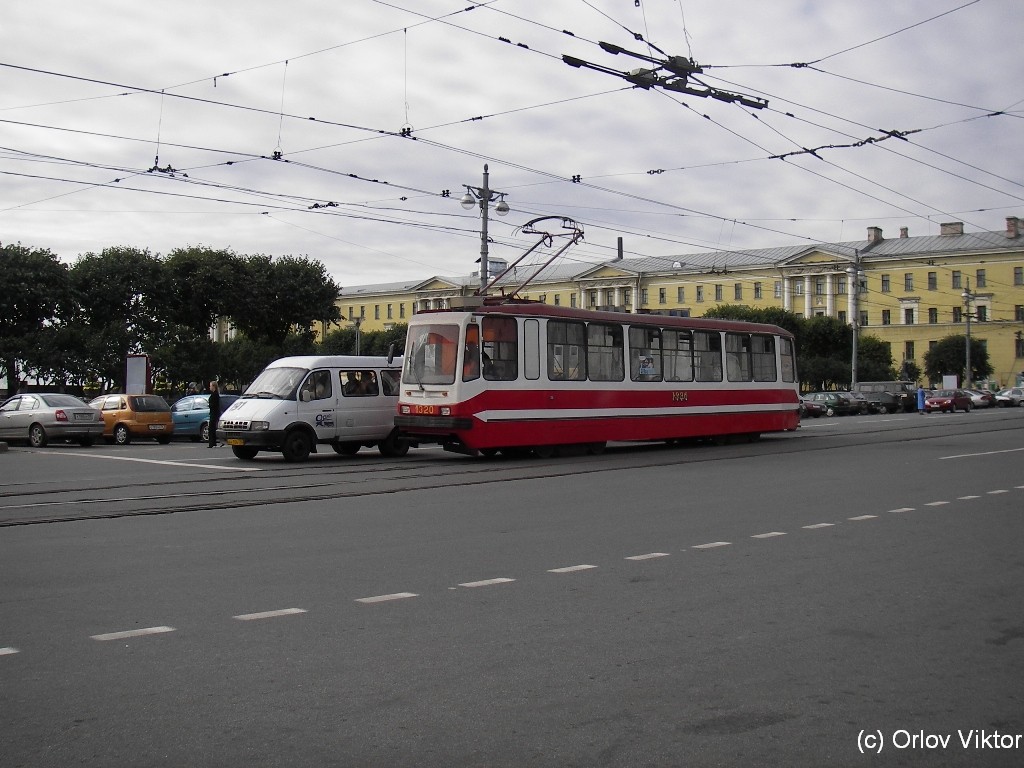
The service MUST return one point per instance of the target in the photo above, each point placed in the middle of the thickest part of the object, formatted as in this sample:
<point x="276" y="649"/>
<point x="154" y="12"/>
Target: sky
<point x="347" y="132"/>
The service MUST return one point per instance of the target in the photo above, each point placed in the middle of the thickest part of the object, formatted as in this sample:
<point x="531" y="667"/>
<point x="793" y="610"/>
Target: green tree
<point x="203" y="285"/>
<point x="874" y="360"/>
<point x="770" y="315"/>
<point x="35" y="287"/>
<point x="948" y="356"/>
<point x="119" y="295"/>
<point x="283" y="296"/>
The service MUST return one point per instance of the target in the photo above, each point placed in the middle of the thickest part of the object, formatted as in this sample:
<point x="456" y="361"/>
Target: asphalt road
<point x="798" y="601"/>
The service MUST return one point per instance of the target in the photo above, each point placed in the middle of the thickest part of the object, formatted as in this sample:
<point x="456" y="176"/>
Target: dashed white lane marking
<point x="133" y="633"/>
<point x="984" y="453"/>
<point x="767" y="535"/>
<point x="819" y="525"/>
<point x="268" y="614"/>
<point x="571" y="568"/>
<point x="967" y="498"/>
<point x="863" y="517"/>
<point x="7" y="651"/>
<point x="386" y="598"/>
<point x="486" y="582"/>
<point x="903" y="509"/>
<point x="648" y="556"/>
<point x="712" y="545"/>
<point x="936" y="503"/>
<point x="993" y="493"/>
<point x="189" y="464"/>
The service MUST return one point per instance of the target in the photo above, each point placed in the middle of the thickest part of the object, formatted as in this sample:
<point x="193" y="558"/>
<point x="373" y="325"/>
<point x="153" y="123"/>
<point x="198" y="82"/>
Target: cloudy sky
<point x="157" y="125"/>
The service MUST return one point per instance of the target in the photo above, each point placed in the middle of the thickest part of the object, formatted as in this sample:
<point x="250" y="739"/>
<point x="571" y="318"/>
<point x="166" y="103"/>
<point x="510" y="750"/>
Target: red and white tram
<point x="512" y="375"/>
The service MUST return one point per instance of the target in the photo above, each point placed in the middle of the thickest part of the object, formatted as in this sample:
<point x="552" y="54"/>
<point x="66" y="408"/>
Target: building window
<point x="1018" y="313"/>
<point x="908" y="282"/>
<point x="958" y="279"/>
<point x="572" y="299"/>
<point x="885" y="284"/>
<point x="662" y="296"/>
<point x="362" y="313"/>
<point x="908" y="316"/>
<point x="401" y="310"/>
<point x="718" y="292"/>
<point x="778" y="289"/>
<point x="593" y="299"/>
<point x="886" y="317"/>
<point x="933" y="281"/>
<point x="863" y="318"/>
<point x="908" y="350"/>
<point x="391" y="313"/>
<point x="558" y="299"/>
<point x="700" y="293"/>
<point x="737" y="291"/>
<point x="1018" y="275"/>
<point x="798" y="288"/>
<point x="351" y="312"/>
<point x="958" y="315"/>
<point x="1018" y="347"/>
<point x="982" y="313"/>
<point x="543" y="298"/>
<point x="757" y="291"/>
<point x="681" y="295"/>
<point x="376" y="311"/>
<point x="981" y="279"/>
<point x="841" y="316"/>
<point x="933" y="315"/>
<point x="841" y="285"/>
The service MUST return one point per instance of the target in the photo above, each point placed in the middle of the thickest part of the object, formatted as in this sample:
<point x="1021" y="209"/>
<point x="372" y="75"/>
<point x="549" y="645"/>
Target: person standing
<point x="214" y="412"/>
<point x="920" y="399"/>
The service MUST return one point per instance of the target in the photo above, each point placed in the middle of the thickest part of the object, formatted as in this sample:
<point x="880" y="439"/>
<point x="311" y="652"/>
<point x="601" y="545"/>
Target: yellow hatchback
<point x="126" y="417"/>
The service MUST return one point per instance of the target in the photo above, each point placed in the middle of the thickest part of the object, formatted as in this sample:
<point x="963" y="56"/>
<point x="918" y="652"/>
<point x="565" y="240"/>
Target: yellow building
<point x="914" y="290"/>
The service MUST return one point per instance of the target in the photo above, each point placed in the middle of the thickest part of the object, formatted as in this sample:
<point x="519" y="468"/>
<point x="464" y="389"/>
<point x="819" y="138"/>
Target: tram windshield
<point x="431" y="354"/>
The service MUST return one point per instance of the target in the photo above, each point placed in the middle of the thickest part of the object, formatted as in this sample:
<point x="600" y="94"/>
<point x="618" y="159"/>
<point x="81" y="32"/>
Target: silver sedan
<point x="40" y="418"/>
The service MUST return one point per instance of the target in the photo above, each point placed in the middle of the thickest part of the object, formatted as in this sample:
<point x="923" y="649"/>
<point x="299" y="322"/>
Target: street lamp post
<point x="854" y="273"/>
<point x="967" y="296"/>
<point x="483" y="197"/>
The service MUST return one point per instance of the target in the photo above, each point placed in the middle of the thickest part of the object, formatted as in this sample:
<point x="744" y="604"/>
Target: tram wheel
<point x="545" y="451"/>
<point x="596" y="449"/>
<point x="488" y="453"/>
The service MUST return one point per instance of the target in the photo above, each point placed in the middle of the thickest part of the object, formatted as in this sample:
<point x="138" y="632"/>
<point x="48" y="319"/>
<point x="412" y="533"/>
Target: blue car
<point x="191" y="415"/>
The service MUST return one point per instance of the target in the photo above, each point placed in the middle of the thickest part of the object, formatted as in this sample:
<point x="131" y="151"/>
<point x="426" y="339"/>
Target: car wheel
<point x="830" y="411"/>
<point x="967" y="408"/>
<point x="244" y="452"/>
<point x="393" y="448"/>
<point x="296" y="446"/>
<point x="121" y="435"/>
<point x="37" y="436"/>
<point x="204" y="432"/>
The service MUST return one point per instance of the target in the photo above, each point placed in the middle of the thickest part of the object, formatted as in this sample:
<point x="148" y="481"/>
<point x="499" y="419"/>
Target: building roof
<point x="872" y="249"/>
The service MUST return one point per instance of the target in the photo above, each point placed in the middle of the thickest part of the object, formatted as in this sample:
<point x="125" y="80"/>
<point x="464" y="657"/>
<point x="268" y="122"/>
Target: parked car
<point x="1011" y="396"/>
<point x="948" y="400"/>
<point x="42" y="417"/>
<point x="833" y="403"/>
<point x="191" y="415"/>
<point x="982" y="398"/>
<point x="126" y="417"/>
<point x="890" y="396"/>
<point x="858" y="402"/>
<point x="810" y="408"/>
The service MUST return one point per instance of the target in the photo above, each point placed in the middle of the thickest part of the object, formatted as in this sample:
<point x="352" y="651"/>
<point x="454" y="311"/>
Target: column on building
<point x="616" y="296"/>
<point x="787" y="295"/>
<point x="830" y="295"/>
<point x="807" y="296"/>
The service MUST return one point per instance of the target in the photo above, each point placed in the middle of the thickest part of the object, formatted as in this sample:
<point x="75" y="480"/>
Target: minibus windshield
<point x="276" y="384"/>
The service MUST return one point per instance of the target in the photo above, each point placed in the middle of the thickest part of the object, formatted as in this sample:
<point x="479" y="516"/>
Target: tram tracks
<point x="39" y="503"/>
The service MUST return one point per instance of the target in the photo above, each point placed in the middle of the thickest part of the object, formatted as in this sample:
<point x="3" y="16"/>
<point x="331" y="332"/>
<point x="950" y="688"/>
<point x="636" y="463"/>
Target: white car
<point x="1011" y="396"/>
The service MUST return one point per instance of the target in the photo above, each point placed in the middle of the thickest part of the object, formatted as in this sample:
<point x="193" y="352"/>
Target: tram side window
<point x="501" y="349"/>
<point x="737" y="356"/>
<point x="645" y="354"/>
<point x="788" y="358"/>
<point x="707" y="355"/>
<point x="677" y="348"/>
<point x="604" y="352"/>
<point x="471" y="353"/>
<point x="763" y="351"/>
<point x="566" y="347"/>
<point x="432" y="351"/>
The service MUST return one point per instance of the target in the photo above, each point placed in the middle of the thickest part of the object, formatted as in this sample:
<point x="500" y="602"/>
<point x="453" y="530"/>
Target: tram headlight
<point x="446" y="411"/>
<point x="405" y="410"/>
